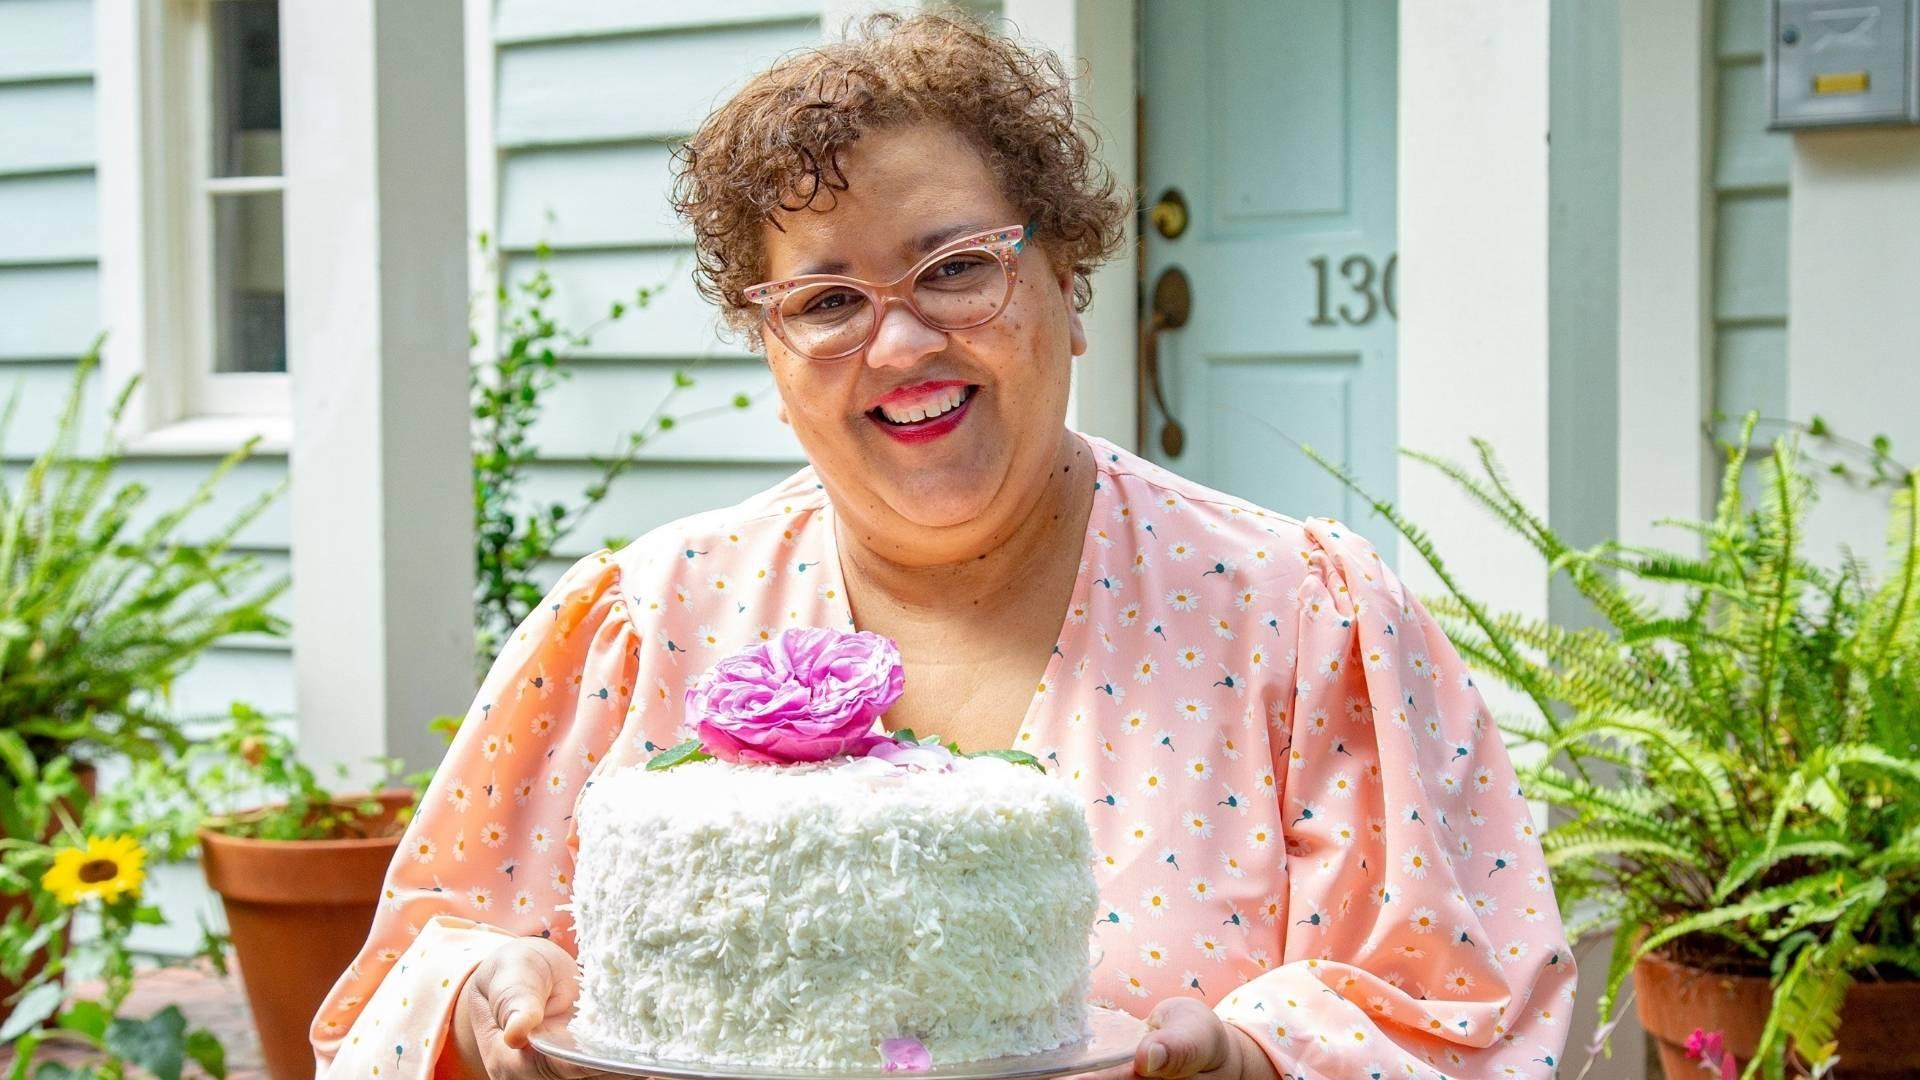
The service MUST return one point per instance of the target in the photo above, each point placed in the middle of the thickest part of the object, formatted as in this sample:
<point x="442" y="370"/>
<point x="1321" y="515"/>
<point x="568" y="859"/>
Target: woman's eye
<point x="830" y="302"/>
<point x="958" y="266"/>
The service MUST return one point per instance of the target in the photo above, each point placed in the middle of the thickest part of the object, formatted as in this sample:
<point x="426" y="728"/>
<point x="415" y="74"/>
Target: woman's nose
<point x="902" y="340"/>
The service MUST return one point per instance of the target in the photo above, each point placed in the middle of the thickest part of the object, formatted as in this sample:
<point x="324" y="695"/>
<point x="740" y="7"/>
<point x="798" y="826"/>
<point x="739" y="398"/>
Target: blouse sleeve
<point x="1423" y="939"/>
<point x="487" y="856"/>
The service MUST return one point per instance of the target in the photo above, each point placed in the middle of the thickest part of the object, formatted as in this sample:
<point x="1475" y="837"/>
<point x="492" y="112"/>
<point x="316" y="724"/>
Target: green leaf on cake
<point x="1018" y="757"/>
<point x="679" y="755"/>
<point x="905" y="734"/>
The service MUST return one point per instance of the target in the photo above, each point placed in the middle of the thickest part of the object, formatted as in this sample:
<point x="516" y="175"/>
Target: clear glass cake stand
<point x="1114" y="1036"/>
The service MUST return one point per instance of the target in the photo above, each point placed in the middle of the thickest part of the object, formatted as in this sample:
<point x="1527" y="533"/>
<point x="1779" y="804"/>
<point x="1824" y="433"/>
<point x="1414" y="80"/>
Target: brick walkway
<point x="209" y="1000"/>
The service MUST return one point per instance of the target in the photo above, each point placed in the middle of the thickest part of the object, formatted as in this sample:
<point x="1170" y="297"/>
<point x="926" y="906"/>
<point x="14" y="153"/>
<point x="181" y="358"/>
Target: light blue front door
<point x="1275" y="120"/>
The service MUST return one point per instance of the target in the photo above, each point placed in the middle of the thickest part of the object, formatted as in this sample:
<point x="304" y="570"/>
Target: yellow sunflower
<point x="108" y="869"/>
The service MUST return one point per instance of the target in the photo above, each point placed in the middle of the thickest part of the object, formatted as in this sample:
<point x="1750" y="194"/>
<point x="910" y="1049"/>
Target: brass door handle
<point x="1172" y="304"/>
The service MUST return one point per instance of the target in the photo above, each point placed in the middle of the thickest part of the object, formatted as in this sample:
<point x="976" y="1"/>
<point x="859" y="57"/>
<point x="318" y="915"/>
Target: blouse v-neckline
<point x="1064" y="640"/>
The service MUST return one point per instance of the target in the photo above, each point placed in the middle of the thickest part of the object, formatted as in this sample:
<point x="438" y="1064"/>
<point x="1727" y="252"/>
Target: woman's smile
<point x="924" y="412"/>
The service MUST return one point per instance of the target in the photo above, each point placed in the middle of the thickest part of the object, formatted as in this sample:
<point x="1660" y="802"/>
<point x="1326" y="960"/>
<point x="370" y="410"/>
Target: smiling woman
<point x="1311" y="854"/>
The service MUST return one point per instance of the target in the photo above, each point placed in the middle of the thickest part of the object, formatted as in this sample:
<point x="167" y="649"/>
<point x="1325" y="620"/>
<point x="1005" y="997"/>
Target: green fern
<point x="98" y="614"/>
<point x="1758" y="732"/>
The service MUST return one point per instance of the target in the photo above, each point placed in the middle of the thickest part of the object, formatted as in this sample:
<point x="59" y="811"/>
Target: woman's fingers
<point x="516" y="986"/>
<point x="510" y="994"/>
<point x="1187" y="1040"/>
<point x="525" y="982"/>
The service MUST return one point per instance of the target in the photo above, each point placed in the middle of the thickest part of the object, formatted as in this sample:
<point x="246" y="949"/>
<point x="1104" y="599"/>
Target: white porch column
<point x="1666" y="322"/>
<point x="1473" y="272"/>
<point x="376" y="332"/>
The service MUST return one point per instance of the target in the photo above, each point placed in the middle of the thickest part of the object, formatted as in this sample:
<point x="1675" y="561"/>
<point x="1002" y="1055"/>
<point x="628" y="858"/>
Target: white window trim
<point x="154" y="232"/>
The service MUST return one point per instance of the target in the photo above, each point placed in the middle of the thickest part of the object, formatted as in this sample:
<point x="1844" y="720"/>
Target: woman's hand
<point x="510" y="994"/>
<point x="1188" y="1040"/>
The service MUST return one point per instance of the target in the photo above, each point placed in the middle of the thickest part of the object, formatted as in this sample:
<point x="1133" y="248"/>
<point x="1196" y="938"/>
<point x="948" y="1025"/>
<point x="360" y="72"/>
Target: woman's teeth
<point x="927" y="409"/>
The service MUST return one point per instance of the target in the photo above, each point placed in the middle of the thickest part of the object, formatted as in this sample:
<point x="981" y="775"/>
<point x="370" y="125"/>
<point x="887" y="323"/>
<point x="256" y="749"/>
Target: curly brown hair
<point x="776" y="144"/>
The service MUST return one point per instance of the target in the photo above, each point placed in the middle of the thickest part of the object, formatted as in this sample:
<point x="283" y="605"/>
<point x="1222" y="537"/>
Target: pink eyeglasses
<point x="831" y="316"/>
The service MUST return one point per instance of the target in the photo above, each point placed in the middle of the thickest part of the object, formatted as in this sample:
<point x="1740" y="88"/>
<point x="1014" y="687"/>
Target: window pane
<point x="249" y="283"/>
<point x="246" y="88"/>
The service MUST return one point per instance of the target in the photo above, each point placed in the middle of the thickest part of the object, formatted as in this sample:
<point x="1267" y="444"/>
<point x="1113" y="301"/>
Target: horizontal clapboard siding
<point x="675" y="324"/>
<point x="575" y="197"/>
<point x="37" y="392"/>
<point x="631" y="86"/>
<point x="46" y="127"/>
<point x="590" y="413"/>
<point x="46" y="40"/>
<point x="589" y="101"/>
<point x="50" y="218"/>
<point x="542" y="20"/>
<point x="48" y="311"/>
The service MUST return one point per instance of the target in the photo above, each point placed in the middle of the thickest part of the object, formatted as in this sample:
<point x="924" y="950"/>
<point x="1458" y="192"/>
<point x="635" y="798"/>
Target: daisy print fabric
<point x="1301" y="811"/>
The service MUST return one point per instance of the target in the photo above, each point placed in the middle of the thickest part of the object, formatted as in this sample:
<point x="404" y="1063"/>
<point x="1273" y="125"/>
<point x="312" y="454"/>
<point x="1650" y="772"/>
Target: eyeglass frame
<point x="1003" y="244"/>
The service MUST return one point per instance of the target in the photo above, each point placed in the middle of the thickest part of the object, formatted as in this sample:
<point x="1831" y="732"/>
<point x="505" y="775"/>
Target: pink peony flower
<point x="808" y="695"/>
<point x="905" y="1055"/>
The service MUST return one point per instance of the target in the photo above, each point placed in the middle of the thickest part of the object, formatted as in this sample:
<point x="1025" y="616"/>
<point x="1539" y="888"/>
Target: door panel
<point x="1276" y="121"/>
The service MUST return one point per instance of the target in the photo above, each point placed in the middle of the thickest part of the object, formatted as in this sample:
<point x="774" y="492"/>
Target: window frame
<point x="157" y="271"/>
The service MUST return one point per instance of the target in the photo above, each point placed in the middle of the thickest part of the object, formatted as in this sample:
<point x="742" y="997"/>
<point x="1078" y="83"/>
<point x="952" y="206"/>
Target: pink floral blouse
<point x="1303" y="814"/>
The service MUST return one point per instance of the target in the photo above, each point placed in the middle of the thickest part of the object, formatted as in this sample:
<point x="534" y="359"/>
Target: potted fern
<point x="99" y="613"/>
<point x="1731" y="773"/>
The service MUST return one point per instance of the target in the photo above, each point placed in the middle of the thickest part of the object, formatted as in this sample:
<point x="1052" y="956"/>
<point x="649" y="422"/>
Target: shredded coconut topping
<point x="802" y="915"/>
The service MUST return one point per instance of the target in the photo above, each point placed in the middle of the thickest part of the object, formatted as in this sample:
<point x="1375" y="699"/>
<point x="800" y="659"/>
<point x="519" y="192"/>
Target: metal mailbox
<point x="1833" y="63"/>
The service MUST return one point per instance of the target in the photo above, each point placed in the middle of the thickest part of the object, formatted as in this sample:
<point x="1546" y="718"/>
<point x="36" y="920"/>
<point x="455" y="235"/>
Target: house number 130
<point x="1371" y="286"/>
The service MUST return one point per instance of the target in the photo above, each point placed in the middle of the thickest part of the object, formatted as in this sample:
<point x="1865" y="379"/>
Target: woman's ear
<point x="1076" y="329"/>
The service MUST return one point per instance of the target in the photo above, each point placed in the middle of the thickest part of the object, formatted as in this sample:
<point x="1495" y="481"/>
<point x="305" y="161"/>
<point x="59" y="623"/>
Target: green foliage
<point x="104" y="601"/>
<point x="49" y="798"/>
<point x="100" y="613"/>
<point x="513" y="533"/>
<point x="1017" y="757"/>
<point x="244" y="780"/>
<point x="680" y="754"/>
<point x="1732" y="753"/>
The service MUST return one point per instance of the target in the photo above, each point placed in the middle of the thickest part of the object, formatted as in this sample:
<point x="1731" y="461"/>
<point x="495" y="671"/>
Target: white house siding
<point x="1750" y="187"/>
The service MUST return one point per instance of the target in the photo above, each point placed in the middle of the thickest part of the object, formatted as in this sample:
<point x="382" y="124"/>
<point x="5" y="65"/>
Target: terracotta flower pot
<point x="88" y="778"/>
<point x="1674" y="1000"/>
<point x="298" y="911"/>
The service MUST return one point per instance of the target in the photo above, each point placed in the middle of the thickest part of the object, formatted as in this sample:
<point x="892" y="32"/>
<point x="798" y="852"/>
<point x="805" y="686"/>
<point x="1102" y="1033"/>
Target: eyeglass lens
<point x="962" y="290"/>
